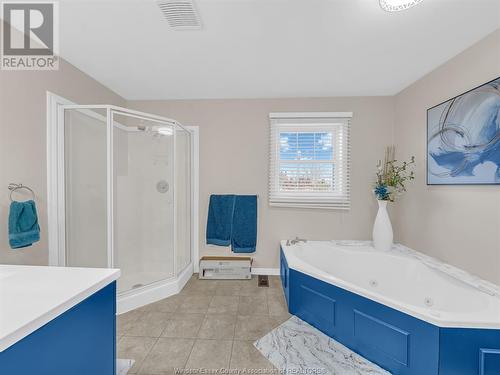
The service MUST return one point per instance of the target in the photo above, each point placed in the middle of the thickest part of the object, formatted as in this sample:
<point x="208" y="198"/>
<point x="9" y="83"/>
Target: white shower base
<point x="141" y="296"/>
<point x="140" y="279"/>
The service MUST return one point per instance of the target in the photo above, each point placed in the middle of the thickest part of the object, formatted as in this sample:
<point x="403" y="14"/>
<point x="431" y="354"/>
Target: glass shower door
<point x="85" y="187"/>
<point x="127" y="193"/>
<point x="143" y="200"/>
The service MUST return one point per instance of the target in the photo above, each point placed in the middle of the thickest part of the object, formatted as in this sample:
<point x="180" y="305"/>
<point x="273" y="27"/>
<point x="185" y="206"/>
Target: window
<point x="309" y="160"/>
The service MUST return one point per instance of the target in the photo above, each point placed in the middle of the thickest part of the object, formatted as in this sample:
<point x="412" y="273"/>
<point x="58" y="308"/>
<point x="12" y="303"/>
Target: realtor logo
<point x="29" y="36"/>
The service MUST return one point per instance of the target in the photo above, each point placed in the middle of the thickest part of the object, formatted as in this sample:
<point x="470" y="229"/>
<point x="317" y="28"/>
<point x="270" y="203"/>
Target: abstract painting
<point x="463" y="138"/>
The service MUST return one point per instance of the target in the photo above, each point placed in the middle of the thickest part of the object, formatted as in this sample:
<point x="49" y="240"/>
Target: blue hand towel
<point x="244" y="233"/>
<point x="220" y="219"/>
<point x="23" y="224"/>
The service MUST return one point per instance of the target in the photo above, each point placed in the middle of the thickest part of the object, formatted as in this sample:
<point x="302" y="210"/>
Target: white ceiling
<point x="268" y="48"/>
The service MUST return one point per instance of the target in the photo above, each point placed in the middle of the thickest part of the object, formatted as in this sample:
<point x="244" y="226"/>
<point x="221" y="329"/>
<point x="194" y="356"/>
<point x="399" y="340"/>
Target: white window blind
<point x="309" y="160"/>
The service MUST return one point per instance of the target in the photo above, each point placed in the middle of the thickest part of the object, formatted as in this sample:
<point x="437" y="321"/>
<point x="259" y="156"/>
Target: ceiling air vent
<point x="180" y="14"/>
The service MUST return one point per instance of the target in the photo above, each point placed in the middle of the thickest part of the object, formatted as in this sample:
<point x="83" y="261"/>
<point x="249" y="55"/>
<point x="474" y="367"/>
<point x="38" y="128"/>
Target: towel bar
<point x="13" y="187"/>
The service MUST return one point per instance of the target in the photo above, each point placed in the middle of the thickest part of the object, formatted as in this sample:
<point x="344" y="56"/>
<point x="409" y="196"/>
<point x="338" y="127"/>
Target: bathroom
<point x="123" y="145"/>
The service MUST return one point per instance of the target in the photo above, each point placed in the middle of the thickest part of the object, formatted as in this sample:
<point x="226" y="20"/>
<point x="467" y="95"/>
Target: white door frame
<point x="55" y="191"/>
<point x="195" y="199"/>
<point x="55" y="179"/>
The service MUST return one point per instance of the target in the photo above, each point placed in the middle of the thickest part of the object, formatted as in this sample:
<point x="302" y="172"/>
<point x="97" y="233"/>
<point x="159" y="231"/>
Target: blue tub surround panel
<point x="375" y="331"/>
<point x="284" y="275"/>
<point x="232" y="220"/>
<point x="397" y="342"/>
<point x="57" y="321"/>
<point x="489" y="361"/>
<point x="469" y="351"/>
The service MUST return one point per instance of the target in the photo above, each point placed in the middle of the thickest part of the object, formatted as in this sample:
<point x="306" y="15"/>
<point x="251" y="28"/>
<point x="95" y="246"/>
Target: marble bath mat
<point x="295" y="345"/>
<point x="123" y="365"/>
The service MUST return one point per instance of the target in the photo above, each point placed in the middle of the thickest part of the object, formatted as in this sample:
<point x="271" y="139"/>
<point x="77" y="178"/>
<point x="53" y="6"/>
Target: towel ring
<point x="14" y="187"/>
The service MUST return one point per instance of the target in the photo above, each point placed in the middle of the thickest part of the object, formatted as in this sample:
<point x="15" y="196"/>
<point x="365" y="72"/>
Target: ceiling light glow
<point x="398" y="5"/>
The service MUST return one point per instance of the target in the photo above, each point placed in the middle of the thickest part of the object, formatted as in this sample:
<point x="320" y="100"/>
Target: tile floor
<point x="210" y="325"/>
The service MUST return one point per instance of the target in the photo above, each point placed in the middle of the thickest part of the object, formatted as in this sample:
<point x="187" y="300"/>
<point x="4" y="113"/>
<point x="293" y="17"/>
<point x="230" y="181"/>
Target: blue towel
<point x="244" y="233"/>
<point x="220" y="220"/>
<point x="23" y="224"/>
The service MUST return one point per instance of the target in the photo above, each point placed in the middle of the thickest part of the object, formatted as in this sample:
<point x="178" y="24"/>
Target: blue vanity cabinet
<point x="81" y="341"/>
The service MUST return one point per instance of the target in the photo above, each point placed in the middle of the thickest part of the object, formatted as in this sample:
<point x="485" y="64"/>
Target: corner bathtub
<point x="401" y="309"/>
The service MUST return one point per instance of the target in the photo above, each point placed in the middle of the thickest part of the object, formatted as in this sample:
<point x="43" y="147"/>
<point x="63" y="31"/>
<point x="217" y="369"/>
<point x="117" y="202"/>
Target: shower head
<point x="164" y="131"/>
<point x="156" y="130"/>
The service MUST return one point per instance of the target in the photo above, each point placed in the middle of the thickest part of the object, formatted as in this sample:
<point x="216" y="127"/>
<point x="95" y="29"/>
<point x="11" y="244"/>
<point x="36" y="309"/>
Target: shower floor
<point x="136" y="279"/>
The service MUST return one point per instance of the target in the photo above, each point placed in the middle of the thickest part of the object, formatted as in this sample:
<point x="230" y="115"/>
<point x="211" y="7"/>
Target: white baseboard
<point x="265" y="271"/>
<point x="184" y="277"/>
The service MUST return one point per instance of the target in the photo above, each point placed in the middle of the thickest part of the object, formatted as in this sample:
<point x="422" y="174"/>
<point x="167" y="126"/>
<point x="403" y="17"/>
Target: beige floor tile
<point x="195" y="304"/>
<point x="231" y="283"/>
<point x="246" y="356"/>
<point x="135" y="348"/>
<point x="210" y="354"/>
<point x="126" y="321"/>
<point x="253" y="290"/>
<point x="169" y="305"/>
<point x="224" y="305"/>
<point x="275" y="282"/>
<point x="167" y="354"/>
<point x="218" y="327"/>
<point x="275" y="292"/>
<point x="253" y="305"/>
<point x="149" y="324"/>
<point x="228" y="290"/>
<point x="277" y="320"/>
<point x="183" y="325"/>
<point x="252" y="327"/>
<point x="196" y="281"/>
<point x="200" y="287"/>
<point x="277" y="305"/>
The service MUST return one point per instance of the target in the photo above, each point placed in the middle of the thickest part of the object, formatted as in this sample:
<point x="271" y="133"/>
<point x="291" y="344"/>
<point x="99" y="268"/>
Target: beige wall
<point x="458" y="224"/>
<point x="23" y="140"/>
<point x="234" y="152"/>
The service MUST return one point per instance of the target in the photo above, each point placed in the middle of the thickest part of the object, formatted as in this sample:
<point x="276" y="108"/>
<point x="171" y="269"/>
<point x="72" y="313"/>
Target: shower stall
<point x="124" y="198"/>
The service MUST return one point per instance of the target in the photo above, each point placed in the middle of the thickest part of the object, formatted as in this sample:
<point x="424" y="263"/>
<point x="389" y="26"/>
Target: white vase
<point x="382" y="229"/>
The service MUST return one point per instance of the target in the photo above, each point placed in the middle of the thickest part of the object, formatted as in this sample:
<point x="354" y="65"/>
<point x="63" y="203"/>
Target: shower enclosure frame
<point x="127" y="300"/>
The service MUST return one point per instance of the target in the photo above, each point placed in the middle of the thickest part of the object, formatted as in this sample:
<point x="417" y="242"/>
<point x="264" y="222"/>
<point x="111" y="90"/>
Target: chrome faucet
<point x="295" y="241"/>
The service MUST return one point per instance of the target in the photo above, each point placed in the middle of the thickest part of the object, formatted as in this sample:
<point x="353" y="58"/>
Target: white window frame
<point x="336" y="122"/>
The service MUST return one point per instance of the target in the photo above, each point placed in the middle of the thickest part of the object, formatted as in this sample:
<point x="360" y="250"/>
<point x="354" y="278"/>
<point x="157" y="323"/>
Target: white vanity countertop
<point x="31" y="296"/>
